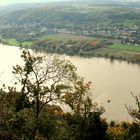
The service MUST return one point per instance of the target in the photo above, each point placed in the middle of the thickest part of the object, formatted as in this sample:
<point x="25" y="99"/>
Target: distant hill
<point x="114" y="2"/>
<point x="32" y="20"/>
<point x="67" y="13"/>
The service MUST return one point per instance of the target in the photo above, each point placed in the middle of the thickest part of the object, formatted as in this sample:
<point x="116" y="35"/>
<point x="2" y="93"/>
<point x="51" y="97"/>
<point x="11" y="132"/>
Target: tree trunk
<point x="36" y="118"/>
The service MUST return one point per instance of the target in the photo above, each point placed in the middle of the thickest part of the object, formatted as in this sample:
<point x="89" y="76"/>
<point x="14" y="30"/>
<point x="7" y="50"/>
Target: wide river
<point x="113" y="81"/>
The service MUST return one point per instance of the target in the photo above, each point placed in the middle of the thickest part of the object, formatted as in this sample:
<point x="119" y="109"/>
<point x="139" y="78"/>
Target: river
<point x="112" y="81"/>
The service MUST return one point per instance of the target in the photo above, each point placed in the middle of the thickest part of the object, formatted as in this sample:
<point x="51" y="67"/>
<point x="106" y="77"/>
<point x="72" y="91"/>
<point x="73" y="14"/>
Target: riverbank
<point x="116" y="54"/>
<point x="84" y="47"/>
<point x="90" y="48"/>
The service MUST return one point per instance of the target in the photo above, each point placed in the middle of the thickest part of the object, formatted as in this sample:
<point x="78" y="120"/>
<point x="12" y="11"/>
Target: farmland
<point x="66" y="37"/>
<point x="125" y="47"/>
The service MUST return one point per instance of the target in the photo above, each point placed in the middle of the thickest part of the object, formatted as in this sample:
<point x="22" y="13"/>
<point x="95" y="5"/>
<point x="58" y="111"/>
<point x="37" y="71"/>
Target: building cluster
<point x="126" y="35"/>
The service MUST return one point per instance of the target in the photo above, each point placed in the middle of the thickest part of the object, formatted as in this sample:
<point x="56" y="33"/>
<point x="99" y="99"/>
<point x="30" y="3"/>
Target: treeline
<point x="79" y="48"/>
<point x="125" y="56"/>
<point x="85" y="48"/>
<point x="33" y="113"/>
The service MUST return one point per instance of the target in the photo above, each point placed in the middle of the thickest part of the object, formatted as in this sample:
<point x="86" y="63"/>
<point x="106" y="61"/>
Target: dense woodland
<point x="79" y="48"/>
<point x="35" y="110"/>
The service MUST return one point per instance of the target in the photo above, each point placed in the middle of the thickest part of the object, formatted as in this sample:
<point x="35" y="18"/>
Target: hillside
<point x="66" y="14"/>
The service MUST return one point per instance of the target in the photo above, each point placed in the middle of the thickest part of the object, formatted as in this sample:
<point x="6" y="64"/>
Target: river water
<point x="112" y="81"/>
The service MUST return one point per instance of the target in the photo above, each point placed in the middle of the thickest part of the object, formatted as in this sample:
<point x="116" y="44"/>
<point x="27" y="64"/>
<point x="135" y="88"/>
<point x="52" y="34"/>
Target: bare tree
<point x="135" y="112"/>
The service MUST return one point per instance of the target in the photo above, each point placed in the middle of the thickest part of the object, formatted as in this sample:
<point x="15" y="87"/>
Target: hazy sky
<point x="5" y="2"/>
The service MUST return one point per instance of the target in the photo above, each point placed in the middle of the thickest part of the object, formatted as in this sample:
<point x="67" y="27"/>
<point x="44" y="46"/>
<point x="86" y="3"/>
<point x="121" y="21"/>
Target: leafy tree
<point x="44" y="80"/>
<point x="116" y="131"/>
<point x="10" y="122"/>
<point x="85" y="121"/>
<point x="88" y="124"/>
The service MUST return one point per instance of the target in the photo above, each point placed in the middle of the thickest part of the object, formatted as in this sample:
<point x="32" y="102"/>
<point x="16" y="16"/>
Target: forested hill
<point x="53" y="15"/>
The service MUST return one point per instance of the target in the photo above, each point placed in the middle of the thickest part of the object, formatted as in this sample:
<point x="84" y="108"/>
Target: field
<point x="27" y="43"/>
<point x="124" y="47"/>
<point x="66" y="37"/>
<point x="13" y="42"/>
<point x="57" y="37"/>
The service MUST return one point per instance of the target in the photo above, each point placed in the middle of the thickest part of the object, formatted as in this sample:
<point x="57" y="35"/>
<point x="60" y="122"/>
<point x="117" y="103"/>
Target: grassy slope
<point x="13" y="42"/>
<point x="124" y="47"/>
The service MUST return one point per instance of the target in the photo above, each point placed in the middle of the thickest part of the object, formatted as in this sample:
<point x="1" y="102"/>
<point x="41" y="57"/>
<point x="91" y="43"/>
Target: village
<point x="127" y="36"/>
<point x="32" y="31"/>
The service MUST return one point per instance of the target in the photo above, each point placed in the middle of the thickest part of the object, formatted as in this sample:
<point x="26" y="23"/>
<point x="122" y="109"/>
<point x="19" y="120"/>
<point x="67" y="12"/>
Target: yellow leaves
<point x="67" y="96"/>
<point x="78" y="97"/>
<point x="55" y="110"/>
<point x="93" y="43"/>
<point x="58" y="112"/>
<point x="87" y="85"/>
<point x="116" y="133"/>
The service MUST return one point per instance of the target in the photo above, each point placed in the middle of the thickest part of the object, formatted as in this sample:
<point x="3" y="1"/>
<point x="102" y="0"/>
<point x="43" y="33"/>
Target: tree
<point x="87" y="123"/>
<point x="135" y="112"/>
<point x="9" y="128"/>
<point x="134" y="130"/>
<point x="33" y="109"/>
<point x="84" y="122"/>
<point x="44" y="80"/>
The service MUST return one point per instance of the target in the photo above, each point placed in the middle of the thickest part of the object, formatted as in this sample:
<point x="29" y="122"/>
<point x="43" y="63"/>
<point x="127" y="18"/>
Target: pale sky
<point x="5" y="2"/>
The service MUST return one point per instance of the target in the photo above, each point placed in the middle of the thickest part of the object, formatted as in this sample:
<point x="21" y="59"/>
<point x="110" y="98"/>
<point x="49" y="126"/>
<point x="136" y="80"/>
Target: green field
<point x="128" y="23"/>
<point x="13" y="42"/>
<point x="55" y="37"/>
<point x="125" y="47"/>
<point x="66" y="37"/>
<point x="27" y="43"/>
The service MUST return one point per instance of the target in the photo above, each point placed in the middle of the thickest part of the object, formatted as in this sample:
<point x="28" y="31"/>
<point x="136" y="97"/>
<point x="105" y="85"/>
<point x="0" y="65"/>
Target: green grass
<point x="66" y="37"/>
<point x="128" y="23"/>
<point x="13" y="42"/>
<point x="124" y="47"/>
<point x="27" y="43"/>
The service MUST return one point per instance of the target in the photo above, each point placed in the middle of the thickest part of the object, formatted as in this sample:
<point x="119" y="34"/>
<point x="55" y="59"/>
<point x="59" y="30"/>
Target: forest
<point x="89" y="48"/>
